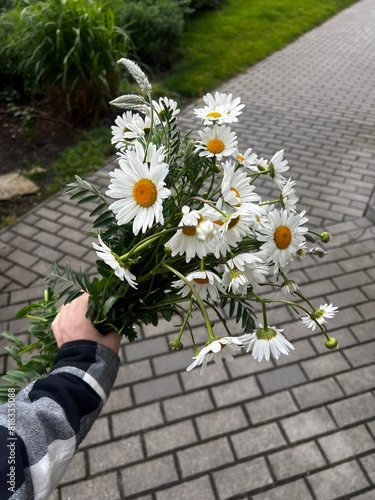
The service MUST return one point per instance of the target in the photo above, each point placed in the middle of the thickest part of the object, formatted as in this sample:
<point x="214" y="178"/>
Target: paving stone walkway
<point x="300" y="428"/>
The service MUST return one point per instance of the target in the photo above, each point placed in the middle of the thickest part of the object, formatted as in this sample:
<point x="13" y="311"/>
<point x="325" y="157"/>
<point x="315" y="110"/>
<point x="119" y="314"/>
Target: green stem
<point x="147" y="241"/>
<point x="157" y="306"/>
<point x="36" y="318"/>
<point x="272" y="202"/>
<point x="185" y="320"/>
<point x="306" y="300"/>
<point x="197" y="198"/>
<point x="221" y="317"/>
<point x="104" y="298"/>
<point x="212" y="176"/>
<point x="314" y="233"/>
<point x="257" y="174"/>
<point x="264" y="311"/>
<point x="197" y="298"/>
<point x="152" y="123"/>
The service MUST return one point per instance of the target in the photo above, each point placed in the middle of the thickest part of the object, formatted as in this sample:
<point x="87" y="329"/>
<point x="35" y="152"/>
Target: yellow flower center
<point x="239" y="157"/>
<point x="201" y="281"/>
<point x="282" y="237"/>
<point x="192" y="230"/>
<point x="189" y="230"/>
<point x="233" y="222"/>
<point x="235" y="192"/>
<point x="214" y="114"/>
<point x="215" y="146"/>
<point x="145" y="192"/>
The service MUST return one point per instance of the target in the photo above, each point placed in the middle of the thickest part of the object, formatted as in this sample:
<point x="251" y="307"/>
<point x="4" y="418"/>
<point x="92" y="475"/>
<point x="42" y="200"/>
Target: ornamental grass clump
<point x="181" y="228"/>
<point x="66" y="51"/>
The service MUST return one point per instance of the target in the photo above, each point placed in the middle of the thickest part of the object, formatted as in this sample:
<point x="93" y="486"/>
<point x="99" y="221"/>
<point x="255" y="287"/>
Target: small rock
<point x="12" y="185"/>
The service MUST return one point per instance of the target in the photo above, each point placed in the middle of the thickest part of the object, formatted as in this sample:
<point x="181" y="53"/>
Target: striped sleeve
<point x="51" y="417"/>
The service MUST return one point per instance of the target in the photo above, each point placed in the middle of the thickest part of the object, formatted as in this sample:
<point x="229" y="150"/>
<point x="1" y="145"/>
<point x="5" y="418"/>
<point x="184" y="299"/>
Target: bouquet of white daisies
<point x="182" y="228"/>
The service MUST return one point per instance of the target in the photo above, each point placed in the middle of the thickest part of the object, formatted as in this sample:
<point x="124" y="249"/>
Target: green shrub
<point x="67" y="50"/>
<point x="8" y="22"/>
<point x="206" y="4"/>
<point x="155" y="27"/>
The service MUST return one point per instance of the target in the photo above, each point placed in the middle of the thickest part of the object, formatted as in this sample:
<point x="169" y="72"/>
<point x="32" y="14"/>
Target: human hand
<point x="71" y="323"/>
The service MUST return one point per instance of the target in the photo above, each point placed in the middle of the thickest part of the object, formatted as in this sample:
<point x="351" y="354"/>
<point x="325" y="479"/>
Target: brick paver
<point x="299" y="428"/>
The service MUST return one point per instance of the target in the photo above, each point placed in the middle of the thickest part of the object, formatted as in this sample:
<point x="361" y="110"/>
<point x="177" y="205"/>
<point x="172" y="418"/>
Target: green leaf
<point x="88" y="199"/>
<point x="104" y="220"/>
<point x="13" y="352"/>
<point x="26" y="309"/>
<point x="73" y="295"/>
<point x="232" y="306"/>
<point x="4" y="391"/>
<point x="108" y="304"/>
<point x="13" y="339"/>
<point x="77" y="195"/>
<point x="167" y="313"/>
<point x="99" y="209"/>
<point x="16" y="376"/>
<point x="239" y="312"/>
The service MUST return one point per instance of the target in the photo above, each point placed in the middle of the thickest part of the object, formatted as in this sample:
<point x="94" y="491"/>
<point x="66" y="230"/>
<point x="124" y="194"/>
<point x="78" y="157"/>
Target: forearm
<point x="52" y="416"/>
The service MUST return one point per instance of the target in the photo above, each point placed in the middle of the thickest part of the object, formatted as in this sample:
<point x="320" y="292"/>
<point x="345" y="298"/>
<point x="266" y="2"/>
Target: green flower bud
<point x="301" y="253"/>
<point x="176" y="345"/>
<point x="331" y="343"/>
<point x="319" y="252"/>
<point x="325" y="237"/>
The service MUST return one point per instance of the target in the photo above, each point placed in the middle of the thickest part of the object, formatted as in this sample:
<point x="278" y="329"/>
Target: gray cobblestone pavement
<point x="299" y="428"/>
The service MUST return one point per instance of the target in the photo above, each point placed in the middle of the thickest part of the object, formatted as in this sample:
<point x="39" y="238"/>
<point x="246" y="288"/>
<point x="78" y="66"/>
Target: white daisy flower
<point x="112" y="260"/>
<point x="187" y="241"/>
<point x="210" y="115"/>
<point x="220" y="348"/>
<point x="289" y="286"/>
<point x="259" y="165"/>
<point x="319" y="315"/>
<point x="262" y="218"/>
<point x="216" y="141"/>
<point x="238" y="225"/>
<point x="277" y="166"/>
<point x="165" y="104"/>
<point x="247" y="159"/>
<point x="153" y="154"/>
<point x="120" y="129"/>
<point x="235" y="281"/>
<point x="141" y="189"/>
<point x="288" y="196"/>
<point x="283" y="236"/>
<point x="206" y="284"/>
<point x="138" y="128"/>
<point x="220" y="109"/>
<point x="252" y="266"/>
<point x="206" y="230"/>
<point x="236" y="188"/>
<point x="233" y="106"/>
<point x="267" y="341"/>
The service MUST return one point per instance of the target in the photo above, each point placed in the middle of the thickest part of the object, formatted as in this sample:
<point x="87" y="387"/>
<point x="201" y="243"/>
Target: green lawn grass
<point x="219" y="44"/>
